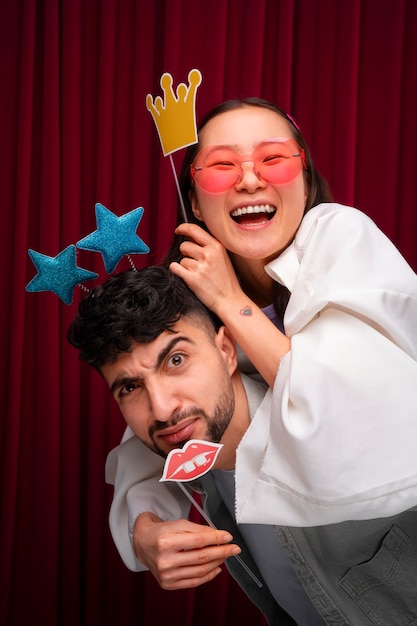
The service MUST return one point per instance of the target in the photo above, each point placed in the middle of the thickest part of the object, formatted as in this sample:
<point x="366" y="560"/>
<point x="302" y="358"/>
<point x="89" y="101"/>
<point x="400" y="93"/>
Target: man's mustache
<point x="177" y="418"/>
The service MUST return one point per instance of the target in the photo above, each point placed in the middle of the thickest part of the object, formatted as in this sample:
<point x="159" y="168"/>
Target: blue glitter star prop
<point x="59" y="274"/>
<point x="115" y="236"/>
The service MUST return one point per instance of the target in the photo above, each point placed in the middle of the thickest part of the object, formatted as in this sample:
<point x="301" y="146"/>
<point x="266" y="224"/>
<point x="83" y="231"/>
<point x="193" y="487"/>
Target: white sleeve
<point x="336" y="439"/>
<point x="134" y="470"/>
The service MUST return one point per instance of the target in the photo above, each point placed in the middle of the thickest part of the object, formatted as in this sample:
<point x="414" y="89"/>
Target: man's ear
<point x="195" y="206"/>
<point x="227" y="346"/>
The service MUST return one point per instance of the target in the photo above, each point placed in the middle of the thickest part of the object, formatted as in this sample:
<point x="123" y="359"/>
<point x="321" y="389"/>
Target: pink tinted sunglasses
<point x="218" y="168"/>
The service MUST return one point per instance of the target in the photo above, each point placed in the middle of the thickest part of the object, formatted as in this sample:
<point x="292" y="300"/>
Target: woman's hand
<point x="206" y="268"/>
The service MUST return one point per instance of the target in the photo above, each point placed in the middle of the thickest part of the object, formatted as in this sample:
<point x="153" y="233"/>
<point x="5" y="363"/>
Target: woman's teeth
<point x="248" y="210"/>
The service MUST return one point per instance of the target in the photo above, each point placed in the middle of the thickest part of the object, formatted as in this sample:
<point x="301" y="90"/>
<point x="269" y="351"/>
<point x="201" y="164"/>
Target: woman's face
<point x="271" y="212"/>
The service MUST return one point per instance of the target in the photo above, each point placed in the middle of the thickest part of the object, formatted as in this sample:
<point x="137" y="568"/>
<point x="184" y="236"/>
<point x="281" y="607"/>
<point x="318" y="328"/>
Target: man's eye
<point x="176" y="360"/>
<point x="124" y="391"/>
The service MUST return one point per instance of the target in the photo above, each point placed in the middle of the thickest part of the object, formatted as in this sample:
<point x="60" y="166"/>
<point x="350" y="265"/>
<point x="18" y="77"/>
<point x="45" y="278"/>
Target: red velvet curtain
<point x="74" y="75"/>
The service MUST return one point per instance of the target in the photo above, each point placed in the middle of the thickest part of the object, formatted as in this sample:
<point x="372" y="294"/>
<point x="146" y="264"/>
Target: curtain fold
<point x="75" y="131"/>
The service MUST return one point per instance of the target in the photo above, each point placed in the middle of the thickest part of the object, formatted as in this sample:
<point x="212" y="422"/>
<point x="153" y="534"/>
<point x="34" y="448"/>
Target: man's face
<point x="176" y="388"/>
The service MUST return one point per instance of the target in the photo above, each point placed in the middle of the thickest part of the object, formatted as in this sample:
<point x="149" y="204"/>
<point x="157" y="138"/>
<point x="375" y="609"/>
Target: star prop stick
<point x="194" y="460"/>
<point x="114" y="238"/>
<point x="59" y="274"/>
<point x="175" y="118"/>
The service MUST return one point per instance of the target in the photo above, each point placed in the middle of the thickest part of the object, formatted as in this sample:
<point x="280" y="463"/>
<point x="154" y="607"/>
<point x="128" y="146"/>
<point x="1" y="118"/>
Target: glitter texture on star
<point x="115" y="236"/>
<point x="59" y="274"/>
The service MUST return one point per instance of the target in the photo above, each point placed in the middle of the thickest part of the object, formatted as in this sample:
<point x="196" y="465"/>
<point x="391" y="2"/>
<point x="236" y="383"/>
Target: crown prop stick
<point x="175" y="118"/>
<point x="192" y="461"/>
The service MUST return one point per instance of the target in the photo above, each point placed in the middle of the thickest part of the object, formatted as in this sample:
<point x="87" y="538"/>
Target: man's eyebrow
<point x="125" y="380"/>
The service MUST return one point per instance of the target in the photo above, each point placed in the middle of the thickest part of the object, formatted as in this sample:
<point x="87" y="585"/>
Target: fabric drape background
<point x="74" y="75"/>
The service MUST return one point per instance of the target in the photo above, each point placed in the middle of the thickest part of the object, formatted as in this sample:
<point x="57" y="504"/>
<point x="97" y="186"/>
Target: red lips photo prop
<point x="190" y="462"/>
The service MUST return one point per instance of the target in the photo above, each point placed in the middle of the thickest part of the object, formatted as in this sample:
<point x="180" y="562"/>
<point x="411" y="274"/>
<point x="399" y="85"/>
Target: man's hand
<point x="181" y="554"/>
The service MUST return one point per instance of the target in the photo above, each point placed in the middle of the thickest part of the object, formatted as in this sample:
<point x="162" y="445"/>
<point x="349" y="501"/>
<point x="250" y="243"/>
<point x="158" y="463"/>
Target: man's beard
<point x="216" y="424"/>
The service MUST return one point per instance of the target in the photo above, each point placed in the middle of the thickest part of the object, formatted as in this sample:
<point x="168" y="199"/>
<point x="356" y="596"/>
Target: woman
<point x="347" y="361"/>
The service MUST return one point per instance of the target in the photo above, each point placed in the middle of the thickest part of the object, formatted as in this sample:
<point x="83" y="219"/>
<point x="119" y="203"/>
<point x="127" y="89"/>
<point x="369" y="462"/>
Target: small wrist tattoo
<point x="246" y="312"/>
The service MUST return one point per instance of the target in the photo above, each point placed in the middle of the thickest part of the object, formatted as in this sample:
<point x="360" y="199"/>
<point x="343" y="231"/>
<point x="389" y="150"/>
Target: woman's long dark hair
<point x="318" y="189"/>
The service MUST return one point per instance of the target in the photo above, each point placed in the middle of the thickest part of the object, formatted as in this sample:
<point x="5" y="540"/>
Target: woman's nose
<point x="249" y="180"/>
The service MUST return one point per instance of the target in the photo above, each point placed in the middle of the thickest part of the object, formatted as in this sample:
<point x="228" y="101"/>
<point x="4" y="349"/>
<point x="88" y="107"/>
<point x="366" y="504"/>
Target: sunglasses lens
<point x="280" y="173"/>
<point x="216" y="169"/>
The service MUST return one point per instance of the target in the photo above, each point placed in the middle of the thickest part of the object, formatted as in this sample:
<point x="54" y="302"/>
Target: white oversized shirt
<point x="336" y="437"/>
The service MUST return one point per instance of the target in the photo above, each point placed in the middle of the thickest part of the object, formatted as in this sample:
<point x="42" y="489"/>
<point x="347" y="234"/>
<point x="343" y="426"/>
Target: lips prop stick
<point x="195" y="459"/>
<point x="192" y="461"/>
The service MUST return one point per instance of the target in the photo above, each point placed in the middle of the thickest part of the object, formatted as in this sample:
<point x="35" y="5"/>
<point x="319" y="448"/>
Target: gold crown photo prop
<point x="174" y="116"/>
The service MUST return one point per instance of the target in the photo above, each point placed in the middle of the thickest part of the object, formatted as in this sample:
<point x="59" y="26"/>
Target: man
<point x="172" y="369"/>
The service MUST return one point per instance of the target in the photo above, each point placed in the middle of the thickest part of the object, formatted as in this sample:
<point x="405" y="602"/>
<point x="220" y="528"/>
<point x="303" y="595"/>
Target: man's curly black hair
<point x="133" y="306"/>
